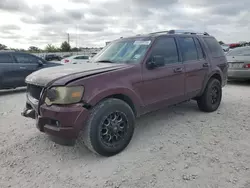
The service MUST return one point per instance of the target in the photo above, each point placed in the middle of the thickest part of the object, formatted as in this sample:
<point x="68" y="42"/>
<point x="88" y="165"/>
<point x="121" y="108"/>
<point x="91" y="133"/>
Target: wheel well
<point x="216" y="76"/>
<point x="125" y="99"/>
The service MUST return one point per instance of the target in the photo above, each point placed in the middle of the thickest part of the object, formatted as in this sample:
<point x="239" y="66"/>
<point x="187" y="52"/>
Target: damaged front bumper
<point x="61" y="121"/>
<point x="29" y="112"/>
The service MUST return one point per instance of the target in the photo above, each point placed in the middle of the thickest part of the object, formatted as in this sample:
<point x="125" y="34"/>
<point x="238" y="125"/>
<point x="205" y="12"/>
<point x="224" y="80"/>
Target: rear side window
<point x="188" y="49"/>
<point x="166" y="47"/>
<point x="241" y="51"/>
<point x="5" y="58"/>
<point x="25" y="58"/>
<point x="214" y="47"/>
<point x="199" y="48"/>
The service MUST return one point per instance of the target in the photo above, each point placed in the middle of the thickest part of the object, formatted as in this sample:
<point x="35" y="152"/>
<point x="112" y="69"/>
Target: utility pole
<point x="76" y="36"/>
<point x="68" y="37"/>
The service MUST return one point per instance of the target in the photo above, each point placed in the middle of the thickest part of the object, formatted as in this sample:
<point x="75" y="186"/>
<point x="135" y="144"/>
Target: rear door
<point x="195" y="63"/>
<point x="8" y="71"/>
<point x="27" y="64"/>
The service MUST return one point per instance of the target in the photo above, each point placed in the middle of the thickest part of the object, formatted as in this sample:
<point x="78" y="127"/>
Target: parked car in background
<point x="51" y="57"/>
<point x="76" y="59"/>
<point x="234" y="45"/>
<point x="65" y="56"/>
<point x="239" y="63"/>
<point x="130" y="77"/>
<point x="225" y="47"/>
<point x="93" y="54"/>
<point x="15" y="66"/>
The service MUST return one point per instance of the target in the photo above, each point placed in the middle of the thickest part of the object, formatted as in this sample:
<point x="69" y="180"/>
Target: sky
<point x="91" y="23"/>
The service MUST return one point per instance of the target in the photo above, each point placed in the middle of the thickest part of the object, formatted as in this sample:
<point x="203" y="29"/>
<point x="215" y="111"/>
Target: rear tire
<point x="211" y="97"/>
<point x="109" y="128"/>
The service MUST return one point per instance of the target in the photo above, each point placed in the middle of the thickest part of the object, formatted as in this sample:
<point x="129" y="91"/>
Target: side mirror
<point x="155" y="61"/>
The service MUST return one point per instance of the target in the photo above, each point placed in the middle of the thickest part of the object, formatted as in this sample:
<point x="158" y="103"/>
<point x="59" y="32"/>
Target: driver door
<point x="27" y="64"/>
<point x="164" y="84"/>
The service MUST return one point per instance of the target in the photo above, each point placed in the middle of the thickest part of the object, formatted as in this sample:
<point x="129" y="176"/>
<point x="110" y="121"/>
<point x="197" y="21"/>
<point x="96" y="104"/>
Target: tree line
<point x="65" y="47"/>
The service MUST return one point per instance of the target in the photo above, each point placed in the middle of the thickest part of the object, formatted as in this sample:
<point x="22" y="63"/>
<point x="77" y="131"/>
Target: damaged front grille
<point x="34" y="91"/>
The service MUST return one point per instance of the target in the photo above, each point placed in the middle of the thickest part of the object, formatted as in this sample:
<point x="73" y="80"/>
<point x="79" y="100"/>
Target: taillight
<point x="247" y="66"/>
<point x="66" y="61"/>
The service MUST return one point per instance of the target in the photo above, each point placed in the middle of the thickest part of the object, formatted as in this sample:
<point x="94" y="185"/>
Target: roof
<point x="167" y="32"/>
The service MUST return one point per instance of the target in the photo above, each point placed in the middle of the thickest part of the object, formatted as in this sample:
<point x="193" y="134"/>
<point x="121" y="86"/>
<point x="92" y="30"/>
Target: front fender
<point x="135" y="99"/>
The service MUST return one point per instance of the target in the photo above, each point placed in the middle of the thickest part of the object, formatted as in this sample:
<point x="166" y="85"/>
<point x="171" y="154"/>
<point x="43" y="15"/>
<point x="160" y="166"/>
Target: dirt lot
<point x="178" y="147"/>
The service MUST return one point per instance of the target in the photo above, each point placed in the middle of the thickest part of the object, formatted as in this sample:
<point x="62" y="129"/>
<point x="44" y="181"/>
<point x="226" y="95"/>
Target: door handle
<point x="22" y="67"/>
<point x="177" y="70"/>
<point x="205" y="65"/>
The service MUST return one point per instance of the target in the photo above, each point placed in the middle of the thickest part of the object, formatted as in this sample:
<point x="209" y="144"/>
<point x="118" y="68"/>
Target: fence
<point x="88" y="52"/>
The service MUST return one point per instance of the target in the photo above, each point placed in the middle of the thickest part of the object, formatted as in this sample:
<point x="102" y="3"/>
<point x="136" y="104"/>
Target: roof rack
<point x="180" y="32"/>
<point x="159" y="32"/>
<point x="186" y="32"/>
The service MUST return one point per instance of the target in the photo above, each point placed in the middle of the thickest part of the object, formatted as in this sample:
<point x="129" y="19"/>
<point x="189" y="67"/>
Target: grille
<point x="34" y="91"/>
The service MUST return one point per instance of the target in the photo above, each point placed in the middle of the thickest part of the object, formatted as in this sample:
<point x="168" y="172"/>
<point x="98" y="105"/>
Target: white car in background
<point x="76" y="59"/>
<point x="225" y="47"/>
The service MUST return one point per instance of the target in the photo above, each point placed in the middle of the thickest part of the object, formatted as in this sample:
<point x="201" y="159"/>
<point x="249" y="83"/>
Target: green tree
<point x="51" y="48"/>
<point x="34" y="49"/>
<point x="3" y="47"/>
<point x="65" y="47"/>
<point x="75" y="49"/>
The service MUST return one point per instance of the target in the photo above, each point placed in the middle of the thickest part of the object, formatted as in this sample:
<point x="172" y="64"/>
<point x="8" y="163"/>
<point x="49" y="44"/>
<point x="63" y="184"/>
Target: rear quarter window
<point x="214" y="47"/>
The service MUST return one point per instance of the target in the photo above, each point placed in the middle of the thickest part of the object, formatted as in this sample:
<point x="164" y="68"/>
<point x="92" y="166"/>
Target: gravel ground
<point x="178" y="147"/>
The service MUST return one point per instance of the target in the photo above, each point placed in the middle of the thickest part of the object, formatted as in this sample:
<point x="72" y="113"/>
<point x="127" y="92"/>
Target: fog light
<point x="54" y="123"/>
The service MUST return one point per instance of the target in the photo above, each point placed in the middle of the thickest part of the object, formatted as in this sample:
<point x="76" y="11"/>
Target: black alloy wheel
<point x="214" y="94"/>
<point x="109" y="128"/>
<point x="114" y="128"/>
<point x="210" y="100"/>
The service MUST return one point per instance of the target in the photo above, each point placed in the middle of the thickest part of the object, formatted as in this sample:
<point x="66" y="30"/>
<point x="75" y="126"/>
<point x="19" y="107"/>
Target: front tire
<point x="109" y="128"/>
<point x="211" y="97"/>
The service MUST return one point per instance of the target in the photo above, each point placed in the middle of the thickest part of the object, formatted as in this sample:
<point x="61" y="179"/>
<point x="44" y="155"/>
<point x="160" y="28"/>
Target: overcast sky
<point x="38" y="22"/>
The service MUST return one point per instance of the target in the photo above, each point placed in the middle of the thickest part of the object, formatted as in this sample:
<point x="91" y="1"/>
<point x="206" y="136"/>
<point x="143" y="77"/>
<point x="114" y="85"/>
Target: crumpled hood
<point x="47" y="75"/>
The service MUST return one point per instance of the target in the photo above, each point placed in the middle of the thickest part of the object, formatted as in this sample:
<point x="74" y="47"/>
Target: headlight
<point x="64" y="95"/>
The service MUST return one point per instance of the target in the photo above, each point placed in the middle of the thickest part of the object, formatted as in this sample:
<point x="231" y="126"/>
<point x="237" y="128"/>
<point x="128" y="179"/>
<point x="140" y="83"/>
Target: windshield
<point x="123" y="51"/>
<point x="239" y="52"/>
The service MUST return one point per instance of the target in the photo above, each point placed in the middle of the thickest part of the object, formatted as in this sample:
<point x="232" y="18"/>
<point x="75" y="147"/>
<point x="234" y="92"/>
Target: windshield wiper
<point x="105" y="61"/>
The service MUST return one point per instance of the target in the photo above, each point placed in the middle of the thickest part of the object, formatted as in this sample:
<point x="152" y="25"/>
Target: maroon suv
<point x="99" y="100"/>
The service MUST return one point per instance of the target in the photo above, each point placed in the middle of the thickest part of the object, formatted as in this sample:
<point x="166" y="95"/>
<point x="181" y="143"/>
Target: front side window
<point x="188" y="49"/>
<point x="5" y="58"/>
<point x="124" y="51"/>
<point x="25" y="58"/>
<point x="166" y="47"/>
